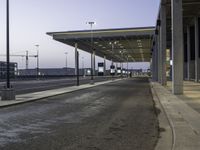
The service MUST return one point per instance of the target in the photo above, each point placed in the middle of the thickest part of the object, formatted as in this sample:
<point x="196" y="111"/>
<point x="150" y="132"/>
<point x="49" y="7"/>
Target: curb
<point x="44" y="97"/>
<point x="166" y="139"/>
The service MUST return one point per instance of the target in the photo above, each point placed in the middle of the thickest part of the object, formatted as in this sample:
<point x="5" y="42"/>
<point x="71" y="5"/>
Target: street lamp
<point x="8" y="47"/>
<point x="92" y="48"/>
<point x="7" y="93"/>
<point x="37" y="46"/>
<point x="112" y="46"/>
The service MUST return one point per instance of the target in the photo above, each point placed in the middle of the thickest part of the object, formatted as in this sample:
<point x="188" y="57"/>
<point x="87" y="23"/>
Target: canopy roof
<point x="119" y="45"/>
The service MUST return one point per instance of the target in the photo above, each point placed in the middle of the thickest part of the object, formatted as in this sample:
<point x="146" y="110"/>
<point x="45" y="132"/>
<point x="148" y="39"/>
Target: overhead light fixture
<point x="116" y="42"/>
<point x="100" y="45"/>
<point x="95" y="42"/>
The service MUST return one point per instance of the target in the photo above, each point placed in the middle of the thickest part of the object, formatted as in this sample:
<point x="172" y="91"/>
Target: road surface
<point x="114" y="116"/>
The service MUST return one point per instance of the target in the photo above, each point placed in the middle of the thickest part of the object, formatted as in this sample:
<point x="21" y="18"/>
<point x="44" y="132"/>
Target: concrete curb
<point x="166" y="135"/>
<point x="184" y="120"/>
<point x="39" y="96"/>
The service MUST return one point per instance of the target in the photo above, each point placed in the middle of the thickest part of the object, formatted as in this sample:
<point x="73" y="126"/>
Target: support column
<point x="156" y="58"/>
<point x="104" y="65"/>
<point x="163" y="44"/>
<point x="188" y="53"/>
<point x="177" y="46"/>
<point x="94" y="53"/>
<point x="76" y="65"/>
<point x="153" y="65"/>
<point x="77" y="71"/>
<point x="154" y="72"/>
<point x="159" y="57"/>
<point x="196" y="24"/>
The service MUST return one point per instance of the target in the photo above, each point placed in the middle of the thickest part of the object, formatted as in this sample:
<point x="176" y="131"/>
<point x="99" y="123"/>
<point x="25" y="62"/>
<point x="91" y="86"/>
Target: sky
<point x="31" y="19"/>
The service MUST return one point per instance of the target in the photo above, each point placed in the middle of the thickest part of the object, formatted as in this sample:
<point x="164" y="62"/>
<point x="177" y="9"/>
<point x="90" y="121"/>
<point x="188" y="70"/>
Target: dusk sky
<point x="31" y="19"/>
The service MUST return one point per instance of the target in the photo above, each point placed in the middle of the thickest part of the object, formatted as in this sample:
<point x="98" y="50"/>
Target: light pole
<point x="8" y="48"/>
<point x="7" y="93"/>
<point x="112" y="46"/>
<point x="37" y="46"/>
<point x="92" y="52"/>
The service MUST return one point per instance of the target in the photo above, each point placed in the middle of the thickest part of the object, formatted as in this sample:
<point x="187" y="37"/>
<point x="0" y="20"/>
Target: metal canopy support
<point x="177" y="46"/>
<point x="76" y="64"/>
<point x="92" y="66"/>
<point x="163" y="44"/>
<point x="77" y="69"/>
<point x="188" y="53"/>
<point x="104" y="65"/>
<point x="196" y="49"/>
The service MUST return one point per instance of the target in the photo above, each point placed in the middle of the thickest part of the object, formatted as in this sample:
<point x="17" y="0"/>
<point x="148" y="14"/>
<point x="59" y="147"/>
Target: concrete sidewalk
<point x="30" y="97"/>
<point x="183" y="120"/>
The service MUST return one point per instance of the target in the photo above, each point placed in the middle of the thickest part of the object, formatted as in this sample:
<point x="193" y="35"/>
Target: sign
<point x="112" y="70"/>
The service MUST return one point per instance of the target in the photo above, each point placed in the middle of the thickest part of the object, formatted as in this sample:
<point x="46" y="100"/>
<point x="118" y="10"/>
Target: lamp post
<point x="8" y="93"/>
<point x="92" y="52"/>
<point x="8" y="47"/>
<point x="37" y="46"/>
<point x="112" y="46"/>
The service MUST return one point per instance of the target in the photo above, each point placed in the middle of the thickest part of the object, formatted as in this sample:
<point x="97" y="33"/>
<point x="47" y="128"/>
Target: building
<point x="3" y="69"/>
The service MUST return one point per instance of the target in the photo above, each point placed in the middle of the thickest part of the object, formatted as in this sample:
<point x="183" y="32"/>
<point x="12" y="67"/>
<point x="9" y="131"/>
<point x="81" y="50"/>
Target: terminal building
<point x="176" y="43"/>
<point x="172" y="46"/>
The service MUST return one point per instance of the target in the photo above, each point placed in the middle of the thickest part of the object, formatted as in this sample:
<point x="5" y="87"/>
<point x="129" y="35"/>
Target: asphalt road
<point x="29" y="86"/>
<point x="114" y="116"/>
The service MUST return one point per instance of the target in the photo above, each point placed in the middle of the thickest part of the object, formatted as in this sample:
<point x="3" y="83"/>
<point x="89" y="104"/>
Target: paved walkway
<point x="183" y="114"/>
<point x="30" y="97"/>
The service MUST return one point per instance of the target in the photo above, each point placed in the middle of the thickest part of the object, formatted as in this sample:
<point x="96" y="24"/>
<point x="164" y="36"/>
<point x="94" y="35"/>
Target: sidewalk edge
<point x="166" y="139"/>
<point x="43" y="97"/>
